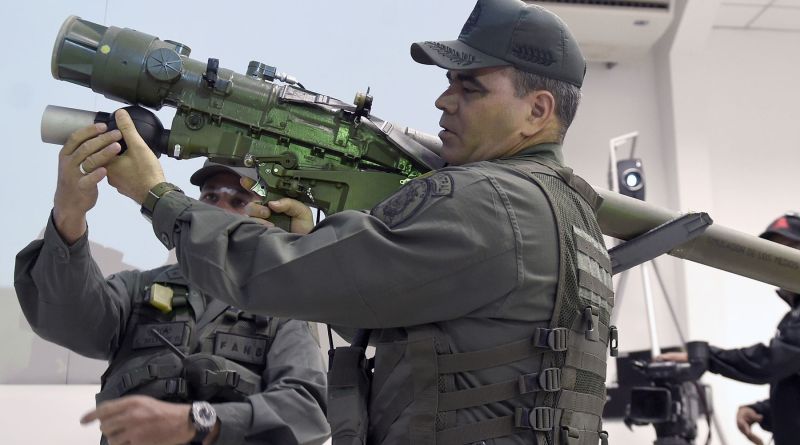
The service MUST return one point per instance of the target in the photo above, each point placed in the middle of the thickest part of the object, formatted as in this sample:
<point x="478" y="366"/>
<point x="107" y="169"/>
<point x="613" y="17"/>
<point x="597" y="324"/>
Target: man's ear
<point x="542" y="111"/>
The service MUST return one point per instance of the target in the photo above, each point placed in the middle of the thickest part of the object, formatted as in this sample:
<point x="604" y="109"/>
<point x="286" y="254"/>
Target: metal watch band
<point x="203" y="418"/>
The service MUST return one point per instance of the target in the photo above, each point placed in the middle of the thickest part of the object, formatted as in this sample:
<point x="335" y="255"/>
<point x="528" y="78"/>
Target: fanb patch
<point x="241" y="348"/>
<point x="403" y="204"/>
<point x="441" y="184"/>
<point x="174" y="332"/>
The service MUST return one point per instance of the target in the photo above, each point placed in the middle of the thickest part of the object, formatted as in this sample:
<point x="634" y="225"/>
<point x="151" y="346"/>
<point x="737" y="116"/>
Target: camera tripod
<point x="677" y="428"/>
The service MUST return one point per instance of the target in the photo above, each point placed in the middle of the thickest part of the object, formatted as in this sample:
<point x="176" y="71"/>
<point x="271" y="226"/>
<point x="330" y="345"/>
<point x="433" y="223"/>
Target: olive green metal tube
<point x="719" y="247"/>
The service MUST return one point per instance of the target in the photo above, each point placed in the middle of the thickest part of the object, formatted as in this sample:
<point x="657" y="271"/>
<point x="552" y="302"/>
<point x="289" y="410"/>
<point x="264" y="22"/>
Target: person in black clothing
<point x="777" y="363"/>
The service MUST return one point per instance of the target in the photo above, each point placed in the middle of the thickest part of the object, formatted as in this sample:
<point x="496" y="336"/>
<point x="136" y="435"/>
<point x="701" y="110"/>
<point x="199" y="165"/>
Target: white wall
<point x="729" y="104"/>
<point x="753" y="142"/>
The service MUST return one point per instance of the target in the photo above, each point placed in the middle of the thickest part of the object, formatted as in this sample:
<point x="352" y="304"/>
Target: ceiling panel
<point x="791" y="3"/>
<point x="779" y="18"/>
<point x="746" y="2"/>
<point x="736" y="16"/>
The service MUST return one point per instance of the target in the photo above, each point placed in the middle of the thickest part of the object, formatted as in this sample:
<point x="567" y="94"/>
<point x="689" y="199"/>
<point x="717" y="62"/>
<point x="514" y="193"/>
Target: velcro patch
<point x="174" y="331"/>
<point x="241" y="348"/>
<point x="441" y="184"/>
<point x="403" y="204"/>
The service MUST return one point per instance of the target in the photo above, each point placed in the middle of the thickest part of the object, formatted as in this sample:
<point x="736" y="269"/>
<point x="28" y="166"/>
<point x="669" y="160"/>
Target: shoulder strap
<point x="575" y="182"/>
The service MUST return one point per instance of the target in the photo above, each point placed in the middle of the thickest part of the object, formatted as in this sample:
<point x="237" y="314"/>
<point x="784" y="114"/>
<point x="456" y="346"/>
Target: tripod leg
<point x="618" y="292"/>
<point x="669" y="303"/>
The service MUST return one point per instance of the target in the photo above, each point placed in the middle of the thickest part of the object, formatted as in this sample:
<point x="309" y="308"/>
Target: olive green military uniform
<point x="458" y="274"/>
<point x="269" y="386"/>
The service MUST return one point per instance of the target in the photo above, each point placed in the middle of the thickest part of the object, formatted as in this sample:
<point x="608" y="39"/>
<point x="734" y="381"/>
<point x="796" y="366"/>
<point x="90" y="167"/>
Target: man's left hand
<point x="302" y="218"/>
<point x="136" y="171"/>
<point x="142" y="420"/>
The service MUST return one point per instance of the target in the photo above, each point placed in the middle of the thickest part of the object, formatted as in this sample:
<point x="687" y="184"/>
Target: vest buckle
<point x="548" y="380"/>
<point x="537" y="419"/>
<point x="553" y="339"/>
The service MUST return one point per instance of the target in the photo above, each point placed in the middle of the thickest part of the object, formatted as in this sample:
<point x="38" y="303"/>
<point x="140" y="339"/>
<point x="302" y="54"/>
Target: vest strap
<point x="230" y="379"/>
<point x="477" y="431"/>
<point x="554" y="339"/>
<point x="588" y="281"/>
<point x="122" y="384"/>
<point x="485" y="358"/>
<point x="586" y="362"/>
<point x="587" y="247"/>
<point x="548" y="380"/>
<point x="580" y="402"/>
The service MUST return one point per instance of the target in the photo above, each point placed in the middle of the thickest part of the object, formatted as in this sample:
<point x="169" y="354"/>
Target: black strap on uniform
<point x="124" y="383"/>
<point x="536" y="419"/>
<point x="549" y="380"/>
<point x="555" y="339"/>
<point x="230" y="379"/>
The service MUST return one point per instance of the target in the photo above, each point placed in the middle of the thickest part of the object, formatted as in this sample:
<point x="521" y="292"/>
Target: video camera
<point x="675" y="398"/>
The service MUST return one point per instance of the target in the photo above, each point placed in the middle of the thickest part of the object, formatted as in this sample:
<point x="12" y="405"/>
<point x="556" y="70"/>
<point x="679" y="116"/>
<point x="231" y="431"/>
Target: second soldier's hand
<point x="144" y="420"/>
<point x="86" y="150"/>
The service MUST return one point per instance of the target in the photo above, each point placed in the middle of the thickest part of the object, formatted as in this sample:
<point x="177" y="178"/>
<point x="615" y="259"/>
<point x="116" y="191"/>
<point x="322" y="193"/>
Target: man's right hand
<point x="680" y="357"/>
<point x="745" y="418"/>
<point x="76" y="193"/>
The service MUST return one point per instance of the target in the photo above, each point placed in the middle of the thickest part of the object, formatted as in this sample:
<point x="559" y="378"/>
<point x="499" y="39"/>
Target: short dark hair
<point x="567" y="96"/>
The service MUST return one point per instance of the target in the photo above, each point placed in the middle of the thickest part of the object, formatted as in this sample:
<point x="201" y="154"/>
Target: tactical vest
<point x="569" y="384"/>
<point x="226" y="347"/>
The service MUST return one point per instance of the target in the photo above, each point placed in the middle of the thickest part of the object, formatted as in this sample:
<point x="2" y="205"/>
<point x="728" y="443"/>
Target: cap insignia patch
<point x="532" y="54"/>
<point x="458" y="57"/>
<point x="472" y="20"/>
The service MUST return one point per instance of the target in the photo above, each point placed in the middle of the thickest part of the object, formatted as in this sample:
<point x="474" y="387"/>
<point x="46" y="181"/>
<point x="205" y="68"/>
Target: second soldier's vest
<point x="226" y="348"/>
<point x="568" y="385"/>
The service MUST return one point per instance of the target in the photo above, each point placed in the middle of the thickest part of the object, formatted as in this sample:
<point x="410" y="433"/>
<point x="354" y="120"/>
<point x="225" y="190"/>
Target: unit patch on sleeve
<point x="242" y="348"/>
<point x="403" y="204"/>
<point x="441" y="184"/>
<point x="174" y="332"/>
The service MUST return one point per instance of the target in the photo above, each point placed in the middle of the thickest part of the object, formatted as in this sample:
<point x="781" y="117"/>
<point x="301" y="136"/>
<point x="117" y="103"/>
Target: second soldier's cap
<point x="787" y="225"/>
<point x="210" y="168"/>
<point x="509" y="33"/>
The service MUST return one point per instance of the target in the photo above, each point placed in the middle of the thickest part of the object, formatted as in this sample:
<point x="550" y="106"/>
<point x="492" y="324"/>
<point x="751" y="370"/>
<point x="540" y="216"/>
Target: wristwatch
<point x="154" y="195"/>
<point x="203" y="417"/>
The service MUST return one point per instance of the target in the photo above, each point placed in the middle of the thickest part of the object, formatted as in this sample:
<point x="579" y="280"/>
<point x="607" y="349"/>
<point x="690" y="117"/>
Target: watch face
<point x="203" y="415"/>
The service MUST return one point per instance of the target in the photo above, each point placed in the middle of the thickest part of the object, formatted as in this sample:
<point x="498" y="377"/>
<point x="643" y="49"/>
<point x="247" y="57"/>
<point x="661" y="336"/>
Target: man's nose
<point x="446" y="102"/>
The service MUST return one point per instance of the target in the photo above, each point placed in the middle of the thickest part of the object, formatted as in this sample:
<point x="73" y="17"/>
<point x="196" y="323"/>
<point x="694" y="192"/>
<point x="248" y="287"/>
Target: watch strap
<point x="154" y="194"/>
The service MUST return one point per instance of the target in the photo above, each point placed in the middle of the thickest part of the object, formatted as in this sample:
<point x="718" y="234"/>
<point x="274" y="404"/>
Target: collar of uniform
<point x="551" y="151"/>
